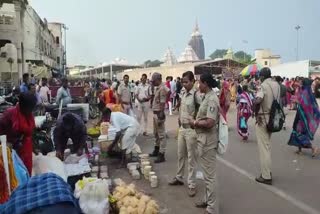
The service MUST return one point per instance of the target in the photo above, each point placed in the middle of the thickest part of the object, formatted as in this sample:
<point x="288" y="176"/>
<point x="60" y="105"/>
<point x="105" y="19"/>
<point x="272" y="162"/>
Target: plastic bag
<point x="104" y="128"/>
<point x="81" y="184"/>
<point x="94" y="198"/>
<point x="20" y="169"/>
<point x="223" y="136"/>
<point x="45" y="164"/>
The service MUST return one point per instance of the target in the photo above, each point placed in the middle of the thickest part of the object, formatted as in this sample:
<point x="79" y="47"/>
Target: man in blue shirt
<point x="25" y="83"/>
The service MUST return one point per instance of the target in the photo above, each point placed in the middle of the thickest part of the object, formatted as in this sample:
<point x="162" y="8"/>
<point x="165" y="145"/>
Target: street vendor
<point x="70" y="125"/>
<point x="125" y="126"/>
<point x="17" y="123"/>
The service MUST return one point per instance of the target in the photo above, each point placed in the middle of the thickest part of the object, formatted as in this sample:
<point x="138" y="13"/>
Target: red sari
<point x="225" y="99"/>
<point x="19" y="129"/>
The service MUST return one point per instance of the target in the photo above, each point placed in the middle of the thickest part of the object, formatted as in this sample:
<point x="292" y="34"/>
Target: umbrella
<point x="251" y="70"/>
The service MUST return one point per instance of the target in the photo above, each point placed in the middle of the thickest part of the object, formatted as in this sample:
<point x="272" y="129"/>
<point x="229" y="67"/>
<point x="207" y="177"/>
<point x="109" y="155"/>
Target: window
<point x="7" y="20"/>
<point x="265" y="62"/>
<point x="58" y="60"/>
<point x="1" y="20"/>
<point x="57" y="40"/>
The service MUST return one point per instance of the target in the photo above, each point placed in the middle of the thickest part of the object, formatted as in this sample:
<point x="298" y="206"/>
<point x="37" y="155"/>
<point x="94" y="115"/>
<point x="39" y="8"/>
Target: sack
<point x="46" y="164"/>
<point x="277" y="117"/>
<point x="223" y="136"/>
<point x="20" y="169"/>
<point x="94" y="198"/>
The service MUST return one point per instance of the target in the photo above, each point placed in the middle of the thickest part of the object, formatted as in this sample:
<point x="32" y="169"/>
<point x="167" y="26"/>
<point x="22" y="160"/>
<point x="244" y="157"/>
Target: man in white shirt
<point x="44" y="92"/>
<point x="63" y="94"/>
<point x="126" y="126"/>
<point x="143" y="96"/>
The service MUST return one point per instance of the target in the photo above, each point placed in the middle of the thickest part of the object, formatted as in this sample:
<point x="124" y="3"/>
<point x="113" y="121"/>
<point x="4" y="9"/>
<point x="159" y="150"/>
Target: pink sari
<point x="244" y="113"/>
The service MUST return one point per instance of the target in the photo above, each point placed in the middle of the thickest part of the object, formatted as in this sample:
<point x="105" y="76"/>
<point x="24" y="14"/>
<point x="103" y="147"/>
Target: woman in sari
<point x="233" y="91"/>
<point x="244" y="108"/>
<point x="225" y="98"/>
<point x="18" y="124"/>
<point x="306" y="121"/>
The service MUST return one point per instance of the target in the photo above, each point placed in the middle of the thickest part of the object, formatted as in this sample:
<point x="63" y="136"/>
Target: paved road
<point x="296" y="178"/>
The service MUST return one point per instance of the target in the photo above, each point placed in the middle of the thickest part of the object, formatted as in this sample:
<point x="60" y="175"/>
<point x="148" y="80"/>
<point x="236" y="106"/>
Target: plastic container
<point x="147" y="170"/>
<point x="151" y="174"/>
<point x="154" y="181"/>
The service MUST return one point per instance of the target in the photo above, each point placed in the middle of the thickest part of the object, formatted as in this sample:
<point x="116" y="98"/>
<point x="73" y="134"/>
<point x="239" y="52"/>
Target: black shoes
<point x="264" y="181"/>
<point x="176" y="182"/>
<point x="160" y="158"/>
<point x="155" y="152"/>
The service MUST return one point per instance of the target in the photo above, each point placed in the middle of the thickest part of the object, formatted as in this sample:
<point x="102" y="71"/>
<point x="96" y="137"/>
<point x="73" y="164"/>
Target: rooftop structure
<point x="197" y="43"/>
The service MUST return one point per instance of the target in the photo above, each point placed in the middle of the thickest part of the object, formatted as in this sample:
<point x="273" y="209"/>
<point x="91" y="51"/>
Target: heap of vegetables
<point x="130" y="201"/>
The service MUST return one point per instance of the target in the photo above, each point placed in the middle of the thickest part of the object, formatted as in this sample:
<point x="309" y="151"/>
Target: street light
<point x="65" y="49"/>
<point x="297" y="28"/>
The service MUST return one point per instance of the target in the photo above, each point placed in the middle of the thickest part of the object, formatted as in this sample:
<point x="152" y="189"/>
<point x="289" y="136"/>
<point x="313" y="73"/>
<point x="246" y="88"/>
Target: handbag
<point x="223" y="136"/>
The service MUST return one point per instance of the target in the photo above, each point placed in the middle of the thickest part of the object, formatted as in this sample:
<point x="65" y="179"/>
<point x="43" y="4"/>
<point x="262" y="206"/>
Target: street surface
<point x="296" y="177"/>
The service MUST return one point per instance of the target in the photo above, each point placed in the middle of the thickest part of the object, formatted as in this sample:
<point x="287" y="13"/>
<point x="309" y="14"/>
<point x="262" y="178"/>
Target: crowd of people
<point x="199" y="104"/>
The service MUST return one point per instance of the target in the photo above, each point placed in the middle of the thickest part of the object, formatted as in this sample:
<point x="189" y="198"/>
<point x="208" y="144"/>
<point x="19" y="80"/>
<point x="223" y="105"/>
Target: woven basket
<point x="104" y="145"/>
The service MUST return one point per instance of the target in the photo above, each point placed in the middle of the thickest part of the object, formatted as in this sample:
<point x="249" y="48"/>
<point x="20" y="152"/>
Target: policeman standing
<point x="187" y="138"/>
<point x="124" y="94"/>
<point x="159" y="118"/>
<point x="143" y="96"/>
<point x="269" y="91"/>
<point x="206" y="126"/>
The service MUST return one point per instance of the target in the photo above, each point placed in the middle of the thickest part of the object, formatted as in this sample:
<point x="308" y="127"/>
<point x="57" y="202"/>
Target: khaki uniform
<point x="160" y="97"/>
<point x="125" y="95"/>
<point x="143" y="91"/>
<point x="269" y="90"/>
<point x="207" y="140"/>
<point x="187" y="138"/>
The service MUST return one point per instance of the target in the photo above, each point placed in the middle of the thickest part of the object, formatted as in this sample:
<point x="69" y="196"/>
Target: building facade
<point x="35" y="43"/>
<point x="197" y="43"/>
<point x="265" y="58"/>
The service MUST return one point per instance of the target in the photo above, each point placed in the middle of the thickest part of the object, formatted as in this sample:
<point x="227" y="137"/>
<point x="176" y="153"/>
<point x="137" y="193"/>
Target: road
<point x="296" y="177"/>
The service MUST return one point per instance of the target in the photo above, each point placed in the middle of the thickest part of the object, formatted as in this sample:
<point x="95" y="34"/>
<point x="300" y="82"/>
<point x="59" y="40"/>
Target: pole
<point x="298" y="27"/>
<point x="65" y="49"/>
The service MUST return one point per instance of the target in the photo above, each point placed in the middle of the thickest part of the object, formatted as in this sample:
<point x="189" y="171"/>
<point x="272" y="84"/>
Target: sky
<point x="138" y="30"/>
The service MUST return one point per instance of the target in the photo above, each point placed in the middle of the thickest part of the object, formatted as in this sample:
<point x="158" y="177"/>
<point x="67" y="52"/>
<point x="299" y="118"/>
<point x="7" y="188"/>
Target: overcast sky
<point x="137" y="30"/>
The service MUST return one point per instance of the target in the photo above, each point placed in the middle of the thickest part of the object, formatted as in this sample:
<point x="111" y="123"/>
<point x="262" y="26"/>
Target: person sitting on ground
<point x="126" y="126"/>
<point x="70" y="125"/>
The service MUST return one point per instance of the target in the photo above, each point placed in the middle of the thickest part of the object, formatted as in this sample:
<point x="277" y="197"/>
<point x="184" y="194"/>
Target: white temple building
<point x="169" y="58"/>
<point x="188" y="55"/>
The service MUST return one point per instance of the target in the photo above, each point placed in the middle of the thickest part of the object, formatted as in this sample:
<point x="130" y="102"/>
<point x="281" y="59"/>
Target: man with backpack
<point x="269" y="119"/>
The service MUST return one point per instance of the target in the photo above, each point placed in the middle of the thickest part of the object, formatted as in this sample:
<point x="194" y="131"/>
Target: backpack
<point x="277" y="117"/>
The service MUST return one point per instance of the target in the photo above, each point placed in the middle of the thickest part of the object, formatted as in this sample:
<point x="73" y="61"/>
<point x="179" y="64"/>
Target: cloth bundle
<point x="4" y="187"/>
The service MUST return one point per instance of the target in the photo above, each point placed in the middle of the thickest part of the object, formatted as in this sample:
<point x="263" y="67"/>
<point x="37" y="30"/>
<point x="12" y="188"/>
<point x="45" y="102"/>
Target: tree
<point x="219" y="53"/>
<point x="152" y="63"/>
<point x="243" y="57"/>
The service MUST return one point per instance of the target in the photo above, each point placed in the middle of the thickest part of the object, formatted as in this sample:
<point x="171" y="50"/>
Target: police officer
<point x="187" y="138"/>
<point x="158" y="107"/>
<point x="206" y="126"/>
<point x="143" y="96"/>
<point x="124" y="94"/>
<point x="269" y="91"/>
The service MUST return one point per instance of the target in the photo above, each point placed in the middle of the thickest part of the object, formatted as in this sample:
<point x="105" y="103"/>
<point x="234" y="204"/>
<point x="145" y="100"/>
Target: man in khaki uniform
<point x="159" y="118"/>
<point x="269" y="91"/>
<point x="187" y="138"/>
<point x="124" y="94"/>
<point x="143" y="96"/>
<point x="206" y="126"/>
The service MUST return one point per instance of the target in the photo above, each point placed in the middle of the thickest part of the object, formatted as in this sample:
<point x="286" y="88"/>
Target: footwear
<point x="145" y="134"/>
<point x="201" y="205"/>
<point x="315" y="152"/>
<point x="160" y="158"/>
<point x="264" y="181"/>
<point x="192" y="192"/>
<point x="176" y="182"/>
<point x="155" y="152"/>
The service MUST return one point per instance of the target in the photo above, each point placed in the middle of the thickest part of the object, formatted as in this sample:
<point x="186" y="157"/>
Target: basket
<point x="104" y="145"/>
